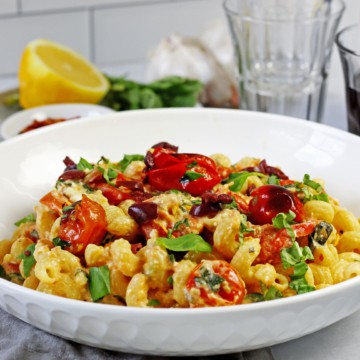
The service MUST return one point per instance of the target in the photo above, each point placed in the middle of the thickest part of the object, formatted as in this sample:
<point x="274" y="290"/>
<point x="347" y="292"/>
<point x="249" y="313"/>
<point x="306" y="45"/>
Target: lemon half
<point x="51" y="73"/>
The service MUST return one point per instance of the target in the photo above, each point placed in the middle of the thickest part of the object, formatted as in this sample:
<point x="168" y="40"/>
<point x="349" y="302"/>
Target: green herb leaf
<point x="59" y="242"/>
<point x="170" y="280"/>
<point x="273" y="293"/>
<point x="254" y="297"/>
<point x="295" y="254"/>
<point x="273" y="180"/>
<point x="28" y="259"/>
<point x="108" y="174"/>
<point x="212" y="280"/>
<point x="153" y="303"/>
<point x="284" y="221"/>
<point x="239" y="179"/>
<point x="29" y="218"/>
<point x="313" y="184"/>
<point x="177" y="226"/>
<point x="244" y="229"/>
<point x="99" y="282"/>
<point x="84" y="164"/>
<point x="127" y="160"/>
<point x="188" y="242"/>
<point x="321" y="197"/>
<point x="191" y="176"/>
<point x="301" y="286"/>
<point x="2" y="273"/>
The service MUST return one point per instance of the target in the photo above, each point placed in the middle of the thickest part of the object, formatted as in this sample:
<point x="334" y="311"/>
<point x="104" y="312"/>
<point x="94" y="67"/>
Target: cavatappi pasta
<point x="171" y="229"/>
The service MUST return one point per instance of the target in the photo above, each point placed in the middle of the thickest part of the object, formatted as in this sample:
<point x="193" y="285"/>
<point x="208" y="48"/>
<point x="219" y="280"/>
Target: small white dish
<point x="12" y="125"/>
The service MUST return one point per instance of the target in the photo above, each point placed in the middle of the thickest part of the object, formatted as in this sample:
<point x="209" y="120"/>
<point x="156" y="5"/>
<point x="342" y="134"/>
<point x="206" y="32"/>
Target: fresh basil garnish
<point x="84" y="164"/>
<point x="127" y="160"/>
<point x="284" y="221"/>
<point x="212" y="280"/>
<point x="29" y="218"/>
<point x="272" y="294"/>
<point x="28" y="259"/>
<point x="238" y="179"/>
<point x="191" y="176"/>
<point x="188" y="242"/>
<point x="153" y="303"/>
<point x="99" y="282"/>
<point x="313" y="184"/>
<point x="59" y="242"/>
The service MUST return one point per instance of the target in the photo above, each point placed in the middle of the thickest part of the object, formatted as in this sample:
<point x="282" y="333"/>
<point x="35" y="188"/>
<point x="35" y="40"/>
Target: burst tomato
<point x="215" y="283"/>
<point x="270" y="200"/>
<point x="193" y="173"/>
<point x="272" y="241"/>
<point x="85" y="223"/>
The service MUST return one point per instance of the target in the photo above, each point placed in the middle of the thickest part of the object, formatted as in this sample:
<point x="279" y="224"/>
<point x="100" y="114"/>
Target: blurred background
<point x="119" y="36"/>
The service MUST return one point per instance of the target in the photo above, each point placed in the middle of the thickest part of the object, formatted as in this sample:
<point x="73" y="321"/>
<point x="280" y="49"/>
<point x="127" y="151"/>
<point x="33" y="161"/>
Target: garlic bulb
<point x="189" y="57"/>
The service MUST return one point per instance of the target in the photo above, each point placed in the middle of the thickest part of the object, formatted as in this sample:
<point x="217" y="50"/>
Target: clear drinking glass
<point x="283" y="50"/>
<point x="348" y="43"/>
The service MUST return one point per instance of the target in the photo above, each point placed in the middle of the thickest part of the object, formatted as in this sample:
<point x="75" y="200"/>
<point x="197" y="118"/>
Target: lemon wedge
<point x="51" y="73"/>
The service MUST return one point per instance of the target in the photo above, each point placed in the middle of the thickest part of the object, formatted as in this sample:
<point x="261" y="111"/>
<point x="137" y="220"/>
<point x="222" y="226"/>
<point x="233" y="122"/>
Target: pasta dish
<point x="170" y="229"/>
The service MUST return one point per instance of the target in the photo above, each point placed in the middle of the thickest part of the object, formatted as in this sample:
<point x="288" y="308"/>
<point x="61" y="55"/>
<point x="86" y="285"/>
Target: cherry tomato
<point x="55" y="201"/>
<point x="272" y="241"/>
<point x="114" y="195"/>
<point x="270" y="200"/>
<point x="83" y="225"/>
<point x="193" y="173"/>
<point x="215" y="283"/>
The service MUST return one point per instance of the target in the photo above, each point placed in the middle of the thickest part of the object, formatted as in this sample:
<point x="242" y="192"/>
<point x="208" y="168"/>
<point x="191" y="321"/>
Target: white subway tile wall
<point x="8" y="7"/>
<point x="71" y="28"/>
<point x="118" y="34"/>
<point x="108" y="32"/>
<point x="41" y="5"/>
<point x="126" y="34"/>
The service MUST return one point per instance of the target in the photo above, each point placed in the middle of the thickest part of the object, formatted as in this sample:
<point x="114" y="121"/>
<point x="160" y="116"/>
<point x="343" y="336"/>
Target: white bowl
<point x="297" y="146"/>
<point x="12" y="125"/>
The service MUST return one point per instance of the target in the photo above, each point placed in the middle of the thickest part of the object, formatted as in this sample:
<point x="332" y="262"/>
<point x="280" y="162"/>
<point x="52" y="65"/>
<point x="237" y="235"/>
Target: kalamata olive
<point x="143" y="212"/>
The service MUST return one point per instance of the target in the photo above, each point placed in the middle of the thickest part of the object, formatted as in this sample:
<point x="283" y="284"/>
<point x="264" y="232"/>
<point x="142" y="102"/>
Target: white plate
<point x="19" y="120"/>
<point x="297" y="146"/>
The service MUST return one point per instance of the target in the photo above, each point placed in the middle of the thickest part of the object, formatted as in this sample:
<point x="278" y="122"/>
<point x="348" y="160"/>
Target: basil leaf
<point x="59" y="242"/>
<point x="112" y="174"/>
<point x="188" y="242"/>
<point x="28" y="259"/>
<point x="254" y="297"/>
<point x="127" y="160"/>
<point x="321" y="197"/>
<point x="301" y="286"/>
<point x="273" y="293"/>
<point x="99" y="282"/>
<point x="273" y="180"/>
<point x="84" y="164"/>
<point x="2" y="273"/>
<point x="29" y="218"/>
<point x="313" y="184"/>
<point x="239" y="179"/>
<point x="153" y="303"/>
<point x="191" y="176"/>
<point x="212" y="280"/>
<point x="108" y="174"/>
<point x="294" y="254"/>
<point x="177" y="225"/>
<point x="284" y="221"/>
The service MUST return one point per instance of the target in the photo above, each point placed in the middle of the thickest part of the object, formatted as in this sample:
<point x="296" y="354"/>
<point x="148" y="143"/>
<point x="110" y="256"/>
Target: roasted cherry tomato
<point x="114" y="195"/>
<point x="270" y="200"/>
<point x="272" y="241"/>
<point x="215" y="283"/>
<point x="55" y="201"/>
<point x="83" y="224"/>
<point x="193" y="173"/>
